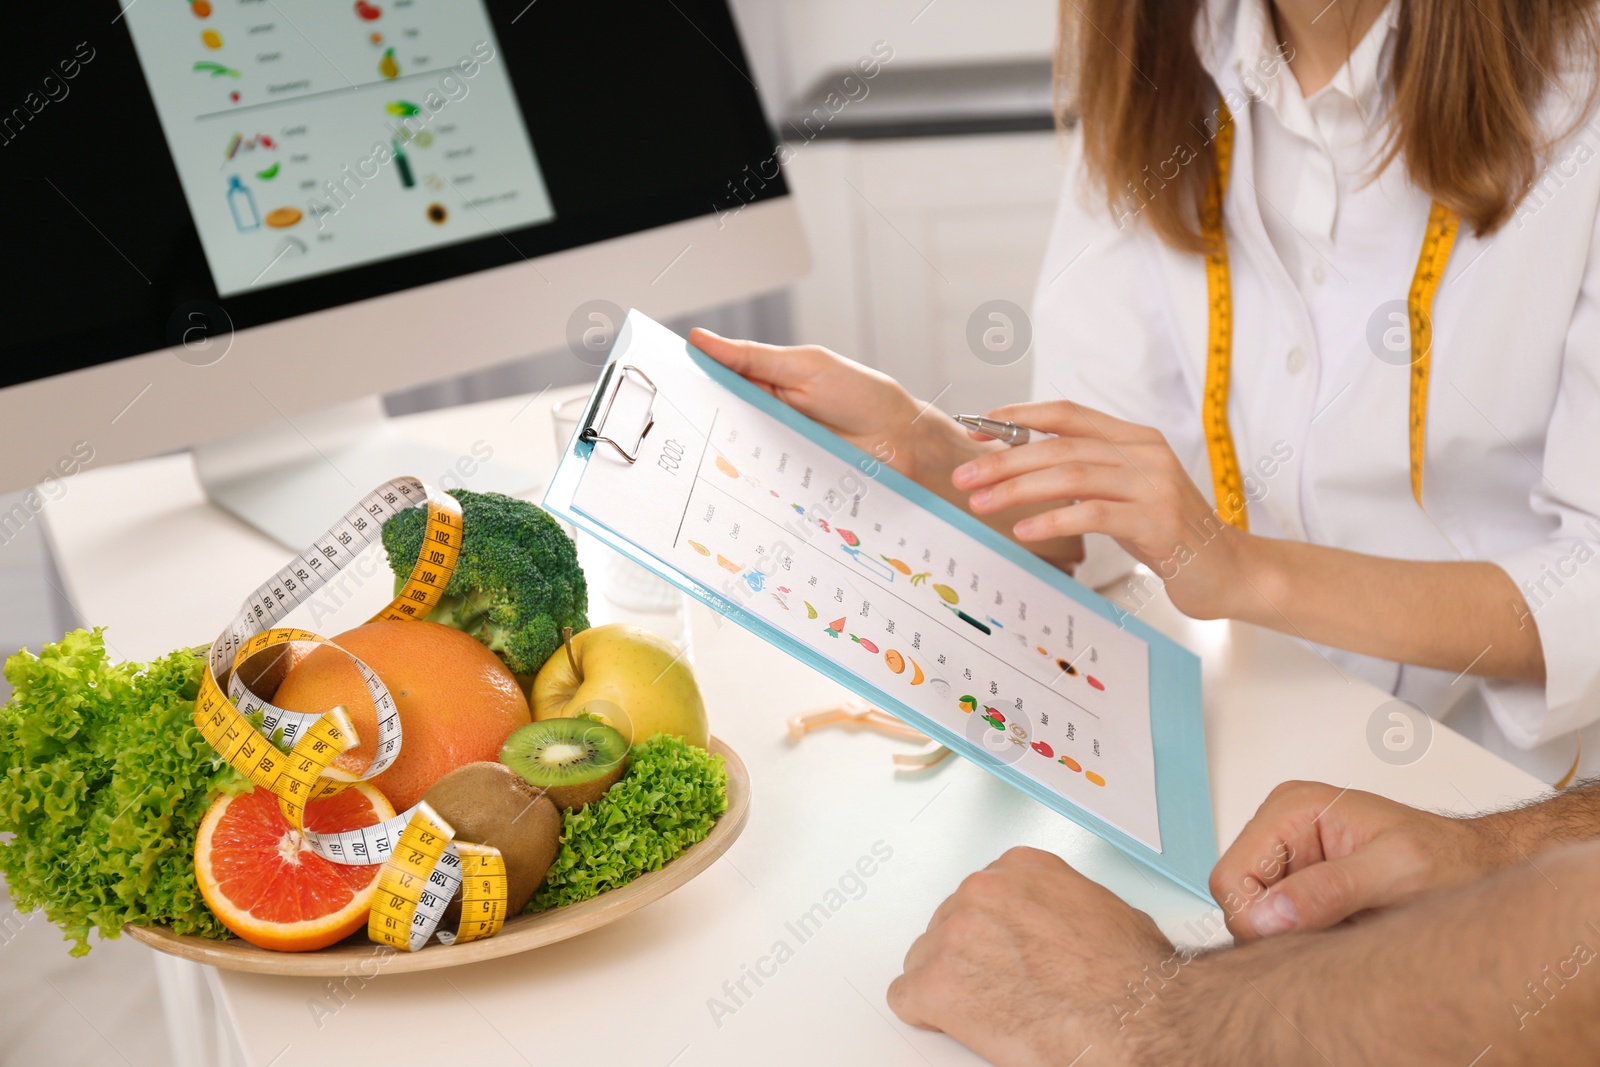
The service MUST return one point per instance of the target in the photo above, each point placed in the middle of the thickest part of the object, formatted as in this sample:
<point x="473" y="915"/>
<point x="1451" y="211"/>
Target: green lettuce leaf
<point x="103" y="782"/>
<point x="670" y="798"/>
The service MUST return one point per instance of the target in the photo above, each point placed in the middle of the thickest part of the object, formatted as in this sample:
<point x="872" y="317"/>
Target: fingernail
<point x="981" y="497"/>
<point x="964" y="474"/>
<point x="1023" y="528"/>
<point x="1274" y="915"/>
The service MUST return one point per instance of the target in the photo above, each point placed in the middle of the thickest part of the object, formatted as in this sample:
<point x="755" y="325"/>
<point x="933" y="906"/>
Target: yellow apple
<point x="620" y="666"/>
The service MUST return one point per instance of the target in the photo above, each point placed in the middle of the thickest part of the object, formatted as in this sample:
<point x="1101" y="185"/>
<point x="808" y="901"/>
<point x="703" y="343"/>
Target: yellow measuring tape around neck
<point x="1226" y="478"/>
<point x="423" y="865"/>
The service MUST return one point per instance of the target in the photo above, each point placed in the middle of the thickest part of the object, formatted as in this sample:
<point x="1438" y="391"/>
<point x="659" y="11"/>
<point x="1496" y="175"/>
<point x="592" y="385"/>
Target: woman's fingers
<point x="1071" y="419"/>
<point x="771" y="365"/>
<point x="1112" y="518"/>
<point x="1060" y="481"/>
<point x="1003" y="463"/>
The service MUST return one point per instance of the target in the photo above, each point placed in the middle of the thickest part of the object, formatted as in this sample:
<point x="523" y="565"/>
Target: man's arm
<point x="1505" y="970"/>
<point x="1561" y="819"/>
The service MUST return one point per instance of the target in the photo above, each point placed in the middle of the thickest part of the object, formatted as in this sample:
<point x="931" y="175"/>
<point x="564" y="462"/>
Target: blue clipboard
<point x="1182" y="789"/>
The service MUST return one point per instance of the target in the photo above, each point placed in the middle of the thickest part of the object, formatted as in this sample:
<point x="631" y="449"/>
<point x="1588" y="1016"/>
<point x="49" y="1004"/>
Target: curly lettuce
<point x="103" y="782"/>
<point x="670" y="798"/>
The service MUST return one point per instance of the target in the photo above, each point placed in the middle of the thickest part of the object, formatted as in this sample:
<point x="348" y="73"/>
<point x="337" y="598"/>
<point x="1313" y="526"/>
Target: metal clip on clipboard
<point x="610" y="385"/>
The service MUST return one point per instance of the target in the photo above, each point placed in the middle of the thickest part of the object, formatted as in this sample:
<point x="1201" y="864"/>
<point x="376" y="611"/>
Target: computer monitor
<point x="232" y="216"/>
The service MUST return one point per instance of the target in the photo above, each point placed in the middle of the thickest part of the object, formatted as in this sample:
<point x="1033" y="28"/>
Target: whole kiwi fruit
<point x="490" y="804"/>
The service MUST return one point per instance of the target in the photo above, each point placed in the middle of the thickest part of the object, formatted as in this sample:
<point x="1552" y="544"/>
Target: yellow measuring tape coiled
<point x="225" y="706"/>
<point x="1226" y="479"/>
<point x="421" y="878"/>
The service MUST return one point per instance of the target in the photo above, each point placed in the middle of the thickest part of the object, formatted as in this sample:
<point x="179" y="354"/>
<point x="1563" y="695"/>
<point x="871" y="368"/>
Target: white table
<point x="142" y="553"/>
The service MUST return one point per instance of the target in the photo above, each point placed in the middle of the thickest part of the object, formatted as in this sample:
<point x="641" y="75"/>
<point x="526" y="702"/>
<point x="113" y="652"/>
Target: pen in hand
<point x="1007" y="433"/>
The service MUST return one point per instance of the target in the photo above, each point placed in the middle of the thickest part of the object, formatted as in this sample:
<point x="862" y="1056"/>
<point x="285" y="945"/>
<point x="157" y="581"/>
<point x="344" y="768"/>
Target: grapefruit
<point x="457" y="701"/>
<point x="257" y="875"/>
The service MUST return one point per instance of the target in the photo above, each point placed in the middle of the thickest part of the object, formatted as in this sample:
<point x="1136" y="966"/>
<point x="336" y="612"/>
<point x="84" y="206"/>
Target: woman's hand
<point x="869" y="409"/>
<point x="1103" y="475"/>
<point x="876" y="414"/>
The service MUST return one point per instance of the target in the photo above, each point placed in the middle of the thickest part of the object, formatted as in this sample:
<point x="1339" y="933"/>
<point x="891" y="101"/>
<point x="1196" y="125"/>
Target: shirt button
<point x="1319" y="273"/>
<point x="1296" y="360"/>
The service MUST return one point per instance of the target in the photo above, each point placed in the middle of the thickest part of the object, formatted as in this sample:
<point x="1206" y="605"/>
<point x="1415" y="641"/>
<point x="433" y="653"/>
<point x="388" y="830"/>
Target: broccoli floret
<point x="517" y="583"/>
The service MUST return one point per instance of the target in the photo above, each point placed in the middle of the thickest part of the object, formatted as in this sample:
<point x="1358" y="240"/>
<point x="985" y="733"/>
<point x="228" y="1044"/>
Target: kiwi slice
<point x="490" y="804"/>
<point x="573" y="760"/>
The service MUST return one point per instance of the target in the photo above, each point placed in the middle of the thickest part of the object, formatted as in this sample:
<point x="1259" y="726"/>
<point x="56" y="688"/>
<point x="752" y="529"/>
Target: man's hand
<point x="1029" y="963"/>
<point x="1336" y="853"/>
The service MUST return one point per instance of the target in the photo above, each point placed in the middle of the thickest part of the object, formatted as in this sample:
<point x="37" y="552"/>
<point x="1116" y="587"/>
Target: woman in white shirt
<point x="1318" y="331"/>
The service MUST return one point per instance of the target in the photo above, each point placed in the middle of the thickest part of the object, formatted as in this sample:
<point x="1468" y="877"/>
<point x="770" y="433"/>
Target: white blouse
<point x="1322" y="254"/>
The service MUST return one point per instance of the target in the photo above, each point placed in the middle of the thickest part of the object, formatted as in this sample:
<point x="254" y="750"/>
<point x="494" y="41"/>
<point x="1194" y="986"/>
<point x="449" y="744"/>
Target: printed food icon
<point x="811" y="612"/>
<point x="201" y="9"/>
<point x="727" y="468"/>
<point x="1070" y="764"/>
<point x="211" y="39"/>
<point x="1094" y="779"/>
<point x="895" y="660"/>
<point x="1042" y="748"/>
<point x="917" y="677"/>
<point x="388" y="66"/>
<point x="698" y="547"/>
<point x="946" y="594"/>
<point x="864" y="643"/>
<point x="437" y="214"/>
<point x="727" y="564"/>
<point x="995" y="718"/>
<point x="849" y="538"/>
<point x="835" y="628"/>
<point x="1094" y="682"/>
<point x="896" y="564"/>
<point x="920" y="577"/>
<point x="1066" y="668"/>
<point x="367" y="12"/>
<point x="281" y="218"/>
<point x="969" y="704"/>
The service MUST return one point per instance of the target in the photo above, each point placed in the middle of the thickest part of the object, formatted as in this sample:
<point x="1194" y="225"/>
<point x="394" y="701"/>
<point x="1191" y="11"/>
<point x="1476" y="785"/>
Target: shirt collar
<point x="1238" y="46"/>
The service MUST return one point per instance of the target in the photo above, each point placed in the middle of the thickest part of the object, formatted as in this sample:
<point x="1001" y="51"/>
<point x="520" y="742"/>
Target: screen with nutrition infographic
<point x="311" y="136"/>
<point x="270" y="159"/>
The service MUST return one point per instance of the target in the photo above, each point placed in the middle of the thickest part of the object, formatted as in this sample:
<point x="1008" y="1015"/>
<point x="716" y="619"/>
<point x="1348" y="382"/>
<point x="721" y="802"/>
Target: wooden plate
<point x="356" y="956"/>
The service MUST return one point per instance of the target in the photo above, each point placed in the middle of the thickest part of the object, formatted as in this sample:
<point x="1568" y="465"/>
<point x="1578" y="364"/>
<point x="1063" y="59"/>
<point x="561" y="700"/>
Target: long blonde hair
<point x="1465" y="88"/>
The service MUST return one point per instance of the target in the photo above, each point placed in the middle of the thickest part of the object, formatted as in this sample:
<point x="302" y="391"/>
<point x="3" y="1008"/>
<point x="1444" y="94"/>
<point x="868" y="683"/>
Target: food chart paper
<point x="909" y="602"/>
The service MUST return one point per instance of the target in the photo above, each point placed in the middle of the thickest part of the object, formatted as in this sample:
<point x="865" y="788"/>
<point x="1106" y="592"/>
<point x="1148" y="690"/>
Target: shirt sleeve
<point x="1560" y="576"/>
<point x="1104" y="334"/>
